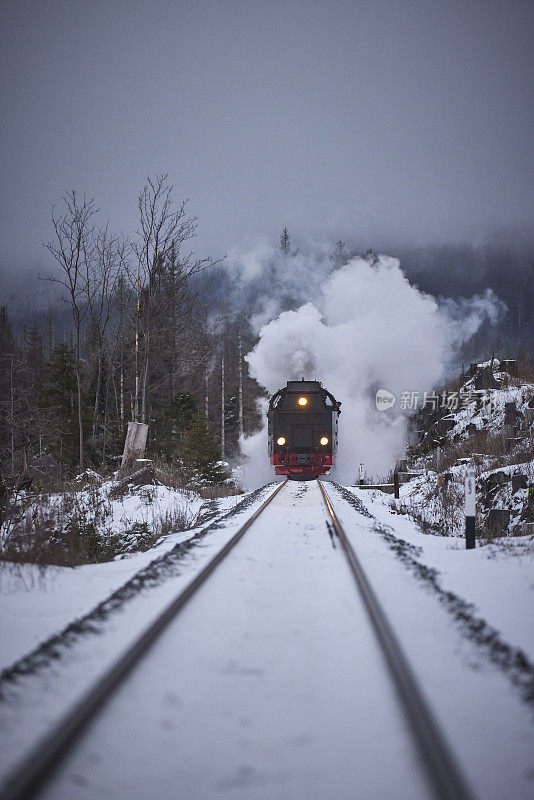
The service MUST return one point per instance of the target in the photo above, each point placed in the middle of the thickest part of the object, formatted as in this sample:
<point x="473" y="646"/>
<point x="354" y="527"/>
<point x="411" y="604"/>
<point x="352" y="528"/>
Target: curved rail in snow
<point x="439" y="763"/>
<point x="33" y="771"/>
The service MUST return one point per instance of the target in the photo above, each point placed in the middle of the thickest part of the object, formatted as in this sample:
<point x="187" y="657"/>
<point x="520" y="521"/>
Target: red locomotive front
<point x="302" y="426"/>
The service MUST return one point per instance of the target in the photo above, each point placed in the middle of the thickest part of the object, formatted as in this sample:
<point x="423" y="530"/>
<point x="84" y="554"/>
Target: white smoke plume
<point x="369" y="328"/>
<point x="266" y="284"/>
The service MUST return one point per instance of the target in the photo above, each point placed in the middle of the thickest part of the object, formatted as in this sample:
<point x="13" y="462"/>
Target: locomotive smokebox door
<point x="302" y="437"/>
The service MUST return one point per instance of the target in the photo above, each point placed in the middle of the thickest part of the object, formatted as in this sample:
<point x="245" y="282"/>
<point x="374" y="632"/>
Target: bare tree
<point x="240" y="386"/>
<point x="223" y="427"/>
<point x="122" y="302"/>
<point x="70" y="248"/>
<point x="109" y="256"/>
<point x="207" y="393"/>
<point x="161" y="235"/>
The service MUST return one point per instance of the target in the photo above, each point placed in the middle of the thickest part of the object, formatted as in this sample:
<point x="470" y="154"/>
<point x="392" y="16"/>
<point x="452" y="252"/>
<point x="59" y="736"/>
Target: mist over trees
<point x="503" y="264"/>
<point x="145" y="331"/>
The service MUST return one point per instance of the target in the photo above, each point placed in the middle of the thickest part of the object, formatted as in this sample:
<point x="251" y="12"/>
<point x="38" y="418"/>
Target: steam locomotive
<point x="302" y="429"/>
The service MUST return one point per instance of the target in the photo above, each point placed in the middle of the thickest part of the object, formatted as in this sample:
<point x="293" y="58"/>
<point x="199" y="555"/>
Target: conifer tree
<point x="200" y="453"/>
<point x="8" y="355"/>
<point x="285" y="245"/>
<point x="58" y="400"/>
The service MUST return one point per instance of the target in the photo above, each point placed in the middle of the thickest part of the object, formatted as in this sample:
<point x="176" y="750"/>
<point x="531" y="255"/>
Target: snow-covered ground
<point x="115" y="517"/>
<point x="498" y="579"/>
<point x="268" y="684"/>
<point x="269" y="649"/>
<point x="37" y="602"/>
<point x="490" y="416"/>
<point x="70" y="650"/>
<point x="465" y="657"/>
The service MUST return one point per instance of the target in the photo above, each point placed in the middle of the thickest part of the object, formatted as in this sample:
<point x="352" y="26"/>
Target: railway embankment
<point x="482" y="420"/>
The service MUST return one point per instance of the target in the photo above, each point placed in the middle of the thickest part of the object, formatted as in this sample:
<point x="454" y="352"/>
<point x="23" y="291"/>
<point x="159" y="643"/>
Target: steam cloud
<point x="367" y="328"/>
<point x="263" y="283"/>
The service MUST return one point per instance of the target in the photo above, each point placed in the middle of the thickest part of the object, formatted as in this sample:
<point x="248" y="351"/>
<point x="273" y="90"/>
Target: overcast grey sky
<point x="396" y="119"/>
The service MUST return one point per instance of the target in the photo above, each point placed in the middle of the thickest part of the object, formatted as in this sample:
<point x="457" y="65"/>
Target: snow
<point x="116" y="514"/>
<point x="477" y="705"/>
<point x="445" y="510"/>
<point x="497" y="579"/>
<point x="491" y="418"/>
<point x="54" y="681"/>
<point x="37" y="602"/>
<point x="269" y="684"/>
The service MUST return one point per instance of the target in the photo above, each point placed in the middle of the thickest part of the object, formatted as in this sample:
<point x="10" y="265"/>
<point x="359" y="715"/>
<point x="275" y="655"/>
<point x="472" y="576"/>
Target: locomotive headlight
<point x="303" y="401"/>
<point x="324" y="440"/>
<point x="281" y="440"/>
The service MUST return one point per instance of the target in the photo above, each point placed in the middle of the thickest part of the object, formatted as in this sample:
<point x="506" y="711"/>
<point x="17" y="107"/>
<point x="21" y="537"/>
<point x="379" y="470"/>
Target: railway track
<point x="60" y="765"/>
<point x="25" y="782"/>
<point x="443" y="772"/>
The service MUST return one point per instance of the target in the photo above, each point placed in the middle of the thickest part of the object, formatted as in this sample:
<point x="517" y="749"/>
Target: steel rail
<point x="32" y="772"/>
<point x="444" y="774"/>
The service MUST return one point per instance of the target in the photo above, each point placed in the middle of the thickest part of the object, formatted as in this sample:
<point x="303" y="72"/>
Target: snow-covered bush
<point x="95" y="523"/>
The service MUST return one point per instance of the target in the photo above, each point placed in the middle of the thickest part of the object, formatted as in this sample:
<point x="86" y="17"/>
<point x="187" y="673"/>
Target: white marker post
<point x="361" y="474"/>
<point x="470" y="509"/>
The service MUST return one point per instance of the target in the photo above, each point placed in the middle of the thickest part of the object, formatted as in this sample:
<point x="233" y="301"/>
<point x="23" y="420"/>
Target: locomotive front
<point x="302" y="428"/>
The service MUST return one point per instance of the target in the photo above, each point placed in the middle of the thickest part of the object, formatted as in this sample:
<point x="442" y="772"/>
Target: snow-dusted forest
<point x="144" y="331"/>
<point x="267" y="400"/>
